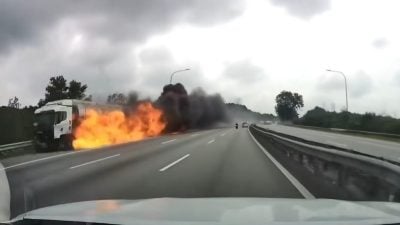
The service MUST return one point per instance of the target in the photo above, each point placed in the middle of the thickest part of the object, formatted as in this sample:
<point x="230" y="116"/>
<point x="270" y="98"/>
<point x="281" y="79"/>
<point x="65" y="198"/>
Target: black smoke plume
<point x="189" y="111"/>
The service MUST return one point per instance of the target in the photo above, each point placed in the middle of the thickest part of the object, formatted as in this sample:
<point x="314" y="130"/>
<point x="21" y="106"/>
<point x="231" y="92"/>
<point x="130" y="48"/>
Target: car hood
<point x="176" y="211"/>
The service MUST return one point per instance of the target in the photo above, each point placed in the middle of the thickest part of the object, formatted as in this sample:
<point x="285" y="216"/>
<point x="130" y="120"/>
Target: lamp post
<point x="345" y="85"/>
<point x="173" y="73"/>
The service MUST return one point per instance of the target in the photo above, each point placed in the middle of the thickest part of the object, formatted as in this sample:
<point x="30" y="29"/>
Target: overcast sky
<point x="248" y="51"/>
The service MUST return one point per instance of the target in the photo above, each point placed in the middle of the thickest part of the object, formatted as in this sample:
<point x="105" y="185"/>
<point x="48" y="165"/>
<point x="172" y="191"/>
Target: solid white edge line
<point x="5" y="196"/>
<point x="174" y="163"/>
<point x="165" y="142"/>
<point x="94" y="161"/>
<point x="287" y="174"/>
<point x="38" y="160"/>
<point x="211" y="141"/>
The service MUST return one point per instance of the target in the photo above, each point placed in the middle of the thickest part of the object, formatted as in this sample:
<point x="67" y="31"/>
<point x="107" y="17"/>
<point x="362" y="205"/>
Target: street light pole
<point x="172" y="74"/>
<point x="345" y="85"/>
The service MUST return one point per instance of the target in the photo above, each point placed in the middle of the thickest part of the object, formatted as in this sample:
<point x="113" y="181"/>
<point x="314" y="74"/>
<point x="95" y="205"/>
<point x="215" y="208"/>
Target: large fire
<point x="102" y="128"/>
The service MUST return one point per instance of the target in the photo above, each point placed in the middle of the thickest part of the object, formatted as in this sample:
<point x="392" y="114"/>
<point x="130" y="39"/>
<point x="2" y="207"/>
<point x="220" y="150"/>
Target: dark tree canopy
<point x="368" y="121"/>
<point x="58" y="89"/>
<point x="76" y="90"/>
<point x="14" y="103"/>
<point x="287" y="104"/>
<point x="117" y="98"/>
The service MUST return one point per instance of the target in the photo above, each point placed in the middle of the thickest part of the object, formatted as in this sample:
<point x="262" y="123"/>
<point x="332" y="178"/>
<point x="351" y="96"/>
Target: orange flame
<point x="107" y="128"/>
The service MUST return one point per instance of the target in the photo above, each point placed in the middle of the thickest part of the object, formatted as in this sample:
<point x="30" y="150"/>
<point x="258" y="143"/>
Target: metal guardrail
<point x="366" y="132"/>
<point x="372" y="177"/>
<point x="389" y="135"/>
<point x="14" y="146"/>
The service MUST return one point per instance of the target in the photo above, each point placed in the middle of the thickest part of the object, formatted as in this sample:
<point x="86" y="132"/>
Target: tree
<point x="41" y="102"/>
<point x="287" y="104"/>
<point x="58" y="89"/>
<point x="117" y="98"/>
<point x="318" y="117"/>
<point x="14" y="103"/>
<point x="76" y="90"/>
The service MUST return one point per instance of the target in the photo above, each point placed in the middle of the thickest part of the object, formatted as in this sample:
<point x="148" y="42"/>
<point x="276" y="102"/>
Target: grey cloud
<point x="396" y="79"/>
<point x="147" y="73"/>
<point x="157" y="64"/>
<point x="35" y="37"/>
<point x="244" y="71"/>
<point x="380" y="43"/>
<point x="25" y="21"/>
<point x="304" y="9"/>
<point x="360" y="85"/>
<point x="157" y="56"/>
<point x="330" y="82"/>
<point x="31" y="73"/>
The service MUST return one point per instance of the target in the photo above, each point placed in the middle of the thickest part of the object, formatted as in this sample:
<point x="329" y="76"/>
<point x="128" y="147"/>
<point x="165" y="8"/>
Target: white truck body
<point x="55" y="121"/>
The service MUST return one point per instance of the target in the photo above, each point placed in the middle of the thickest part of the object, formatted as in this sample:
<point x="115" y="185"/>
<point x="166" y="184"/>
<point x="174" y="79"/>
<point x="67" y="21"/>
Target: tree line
<point x="288" y="103"/>
<point x="319" y="117"/>
<point x="286" y="108"/>
<point x="59" y="88"/>
<point x="16" y="122"/>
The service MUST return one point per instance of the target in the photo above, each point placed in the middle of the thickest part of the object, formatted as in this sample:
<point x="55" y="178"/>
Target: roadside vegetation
<point x="16" y="123"/>
<point x="288" y="103"/>
<point x="371" y="122"/>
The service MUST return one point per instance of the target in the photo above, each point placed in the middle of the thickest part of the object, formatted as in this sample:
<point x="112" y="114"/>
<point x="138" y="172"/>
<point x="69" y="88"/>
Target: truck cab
<point x="55" y="122"/>
<point x="53" y="125"/>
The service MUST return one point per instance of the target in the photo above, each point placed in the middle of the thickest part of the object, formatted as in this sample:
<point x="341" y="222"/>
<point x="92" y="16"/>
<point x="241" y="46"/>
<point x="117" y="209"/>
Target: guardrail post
<point x="307" y="162"/>
<point x="394" y="196"/>
<point x="343" y="174"/>
<point x="321" y="166"/>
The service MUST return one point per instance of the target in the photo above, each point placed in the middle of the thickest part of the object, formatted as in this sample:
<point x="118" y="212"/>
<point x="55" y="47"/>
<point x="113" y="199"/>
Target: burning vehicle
<point x="74" y="124"/>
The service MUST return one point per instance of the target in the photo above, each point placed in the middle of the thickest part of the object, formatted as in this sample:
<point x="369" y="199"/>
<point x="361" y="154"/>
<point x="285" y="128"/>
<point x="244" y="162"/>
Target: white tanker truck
<point x="56" y="121"/>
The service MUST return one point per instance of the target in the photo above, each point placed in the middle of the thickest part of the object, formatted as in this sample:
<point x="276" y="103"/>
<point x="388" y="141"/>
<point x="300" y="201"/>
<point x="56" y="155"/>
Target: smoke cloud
<point x="187" y="111"/>
<point x="197" y="110"/>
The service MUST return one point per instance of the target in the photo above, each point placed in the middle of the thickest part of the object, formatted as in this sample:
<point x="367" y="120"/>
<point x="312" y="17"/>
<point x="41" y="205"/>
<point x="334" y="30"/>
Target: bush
<point x="16" y="124"/>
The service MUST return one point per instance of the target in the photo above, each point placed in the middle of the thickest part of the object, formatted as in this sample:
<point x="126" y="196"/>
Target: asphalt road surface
<point x="386" y="149"/>
<point x="212" y="163"/>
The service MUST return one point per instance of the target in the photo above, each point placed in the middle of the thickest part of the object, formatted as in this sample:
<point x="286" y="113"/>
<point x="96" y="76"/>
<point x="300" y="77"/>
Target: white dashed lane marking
<point x="174" y="163"/>
<point x="166" y="142"/>
<point x="94" y="161"/>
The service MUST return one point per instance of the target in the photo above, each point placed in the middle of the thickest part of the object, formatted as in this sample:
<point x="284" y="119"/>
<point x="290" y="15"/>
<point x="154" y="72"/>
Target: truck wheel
<point x="65" y="143"/>
<point x="53" y="146"/>
<point x="38" y="149"/>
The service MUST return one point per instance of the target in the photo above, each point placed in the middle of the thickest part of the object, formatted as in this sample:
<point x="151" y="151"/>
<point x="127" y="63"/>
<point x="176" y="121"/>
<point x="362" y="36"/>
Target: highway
<point x="210" y="163"/>
<point x="380" y="148"/>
